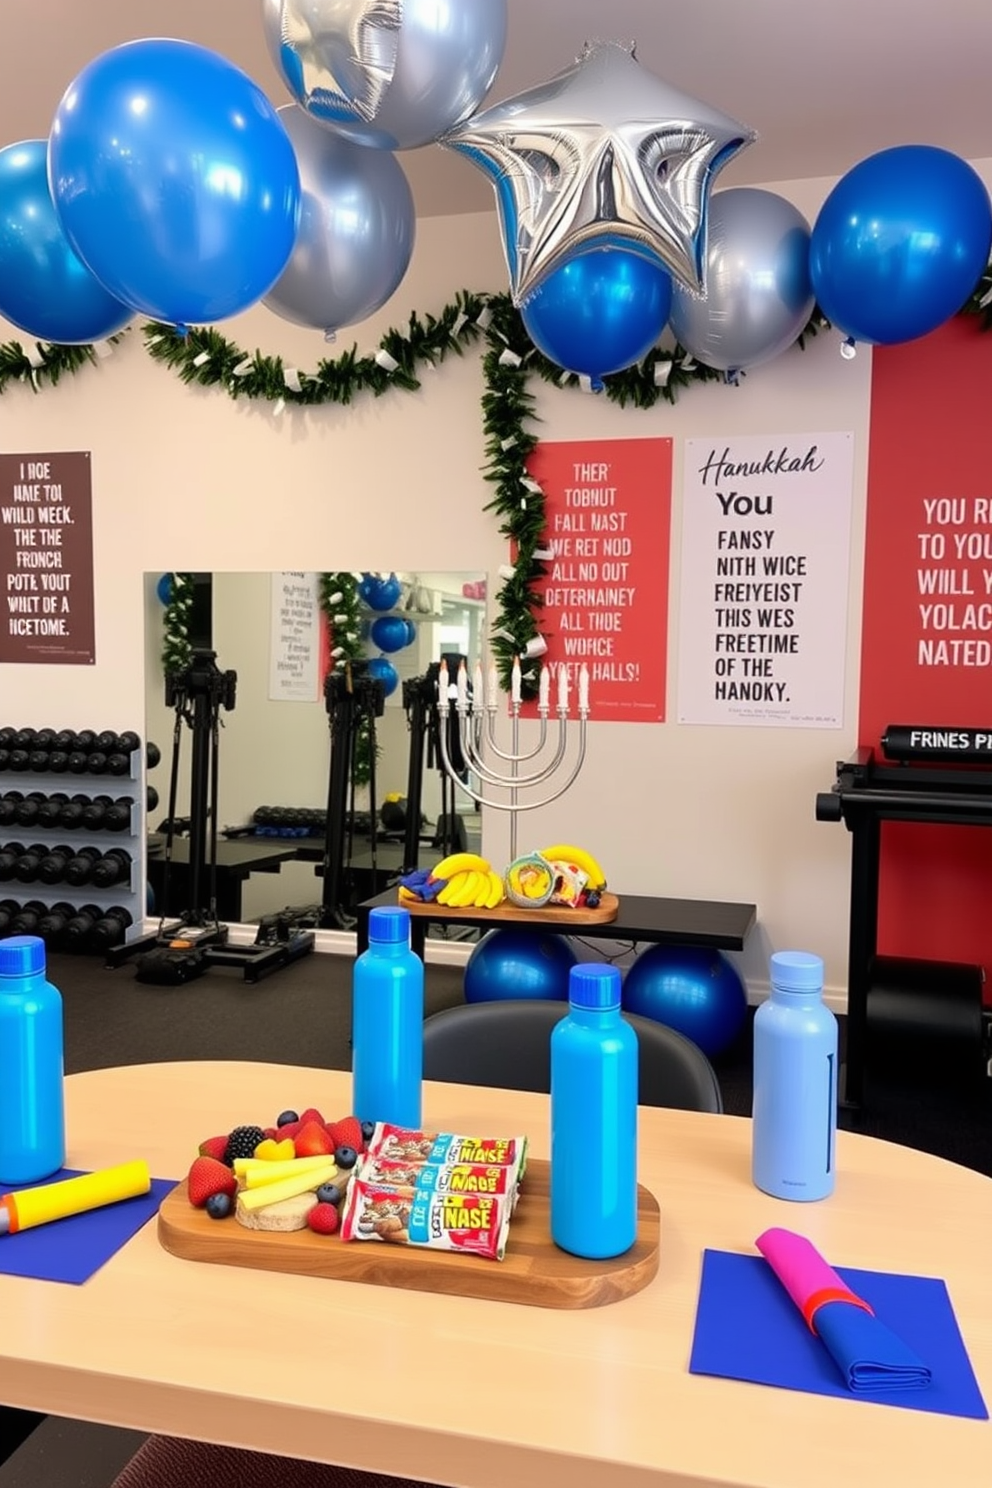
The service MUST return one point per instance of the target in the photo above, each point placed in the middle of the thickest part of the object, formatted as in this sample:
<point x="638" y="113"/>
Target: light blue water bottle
<point x="387" y="1039"/>
<point x="794" y="1126"/>
<point x="594" y="1119"/>
<point x="32" y="1109"/>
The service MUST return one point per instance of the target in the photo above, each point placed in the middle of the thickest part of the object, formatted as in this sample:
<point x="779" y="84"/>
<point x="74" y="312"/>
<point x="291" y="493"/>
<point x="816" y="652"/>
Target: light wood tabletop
<point x="485" y="1394"/>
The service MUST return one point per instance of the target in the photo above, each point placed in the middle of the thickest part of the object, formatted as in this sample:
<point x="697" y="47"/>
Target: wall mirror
<point x="275" y="751"/>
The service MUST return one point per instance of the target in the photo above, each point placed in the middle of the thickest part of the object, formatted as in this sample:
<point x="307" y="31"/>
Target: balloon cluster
<point x="171" y="187"/>
<point x="391" y="633"/>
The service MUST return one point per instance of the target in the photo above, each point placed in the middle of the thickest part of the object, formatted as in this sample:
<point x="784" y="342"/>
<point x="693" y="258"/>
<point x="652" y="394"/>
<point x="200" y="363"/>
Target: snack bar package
<point x="464" y="1178"/>
<point x="475" y="1224"/>
<point x="397" y="1144"/>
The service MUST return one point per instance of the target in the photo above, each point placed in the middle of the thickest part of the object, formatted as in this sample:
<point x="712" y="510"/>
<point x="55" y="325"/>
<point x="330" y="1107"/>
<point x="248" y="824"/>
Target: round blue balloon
<point x="163" y="589"/>
<point x="384" y="671"/>
<point x="696" y="991"/>
<point x="601" y="311"/>
<point x="391" y="633"/>
<point x="174" y="180"/>
<point x="45" y="288"/>
<point x="514" y="964"/>
<point x="379" y="593"/>
<point x="900" y="243"/>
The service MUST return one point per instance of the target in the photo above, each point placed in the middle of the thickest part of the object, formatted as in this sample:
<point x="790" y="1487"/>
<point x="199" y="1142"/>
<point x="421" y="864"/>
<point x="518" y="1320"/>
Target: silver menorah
<point x="476" y="715"/>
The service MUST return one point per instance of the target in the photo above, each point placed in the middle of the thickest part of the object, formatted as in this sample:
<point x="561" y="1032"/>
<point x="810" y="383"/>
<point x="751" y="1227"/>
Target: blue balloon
<point x="509" y="965"/>
<point x="601" y="311"/>
<point x="384" y="671"/>
<point x="696" y="991"/>
<point x="174" y="180"/>
<point x="900" y="243"/>
<point x="163" y="589"/>
<point x="379" y="593"/>
<point x="45" y="289"/>
<point x="391" y="633"/>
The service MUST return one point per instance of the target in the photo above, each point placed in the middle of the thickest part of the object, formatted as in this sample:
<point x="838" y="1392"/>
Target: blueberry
<point x="219" y="1205"/>
<point x="345" y="1157"/>
<point x="368" y="1130"/>
<point x="329" y="1193"/>
<point x="592" y="899"/>
<point x="286" y="1117"/>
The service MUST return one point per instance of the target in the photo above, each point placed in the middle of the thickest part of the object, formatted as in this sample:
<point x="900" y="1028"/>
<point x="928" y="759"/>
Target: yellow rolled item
<point x="37" y="1206"/>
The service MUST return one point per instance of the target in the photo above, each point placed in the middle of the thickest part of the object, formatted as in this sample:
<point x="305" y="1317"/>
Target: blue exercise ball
<point x="393" y="633"/>
<point x="384" y="671"/>
<point x="696" y="991"/>
<point x="380" y="593"/>
<point x="509" y="965"/>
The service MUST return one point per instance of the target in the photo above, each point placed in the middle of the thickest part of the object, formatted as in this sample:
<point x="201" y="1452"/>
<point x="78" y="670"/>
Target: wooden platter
<point x="509" y="914"/>
<point x="533" y="1270"/>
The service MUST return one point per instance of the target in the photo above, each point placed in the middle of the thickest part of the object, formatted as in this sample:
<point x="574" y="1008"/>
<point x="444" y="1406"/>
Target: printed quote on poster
<point x="46" y="558"/>
<point x="296" y="640"/>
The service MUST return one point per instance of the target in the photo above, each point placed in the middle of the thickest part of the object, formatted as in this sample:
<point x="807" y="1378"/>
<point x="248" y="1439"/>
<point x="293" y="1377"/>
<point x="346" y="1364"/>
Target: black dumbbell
<point x="8" y="805"/>
<point x="45" y="739"/>
<point x="76" y="763"/>
<point x="71" y="815"/>
<point x="8" y="909"/>
<point x="7" y="736"/>
<point x="96" y="762"/>
<point x="152" y="755"/>
<point x="24" y="738"/>
<point x="79" y="868"/>
<point x="26" y="812"/>
<point x="65" y="739"/>
<point x="117" y="816"/>
<point x="51" y="926"/>
<point x="38" y="761"/>
<point x="9" y="855"/>
<point x="50" y="809"/>
<point x="110" y="928"/>
<point x="4" y="759"/>
<point x="27" y="867"/>
<point x="18" y="761"/>
<point x="77" y="929"/>
<point x="26" y="921"/>
<point x="51" y="869"/>
<point x="95" y="813"/>
<point x="113" y="868"/>
<point x="58" y="761"/>
<point x="151" y="798"/>
<point x="84" y="740"/>
<point x="128" y="742"/>
<point x="107" y="741"/>
<point x="118" y="764"/>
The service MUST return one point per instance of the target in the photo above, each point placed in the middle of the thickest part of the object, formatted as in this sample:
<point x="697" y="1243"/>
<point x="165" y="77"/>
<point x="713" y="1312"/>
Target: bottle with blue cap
<point x="32" y="1108"/>
<point x="387" y="1035"/>
<point x="594" y="1119"/>
<point x="794" y="1125"/>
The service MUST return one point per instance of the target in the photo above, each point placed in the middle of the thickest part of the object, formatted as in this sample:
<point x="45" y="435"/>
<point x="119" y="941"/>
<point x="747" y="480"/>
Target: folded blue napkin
<point x="870" y="1357"/>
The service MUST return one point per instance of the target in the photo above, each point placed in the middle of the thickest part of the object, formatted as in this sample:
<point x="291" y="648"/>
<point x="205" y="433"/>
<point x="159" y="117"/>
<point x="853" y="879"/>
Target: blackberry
<point x="242" y="1141"/>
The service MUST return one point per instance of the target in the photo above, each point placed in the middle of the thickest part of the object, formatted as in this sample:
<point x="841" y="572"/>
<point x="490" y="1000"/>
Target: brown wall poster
<point x="46" y="558"/>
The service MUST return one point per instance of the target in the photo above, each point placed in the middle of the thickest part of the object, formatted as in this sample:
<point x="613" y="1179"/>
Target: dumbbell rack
<point x="129" y="894"/>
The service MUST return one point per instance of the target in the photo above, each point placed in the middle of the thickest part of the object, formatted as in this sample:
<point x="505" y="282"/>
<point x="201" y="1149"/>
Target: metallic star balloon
<point x="337" y="56"/>
<point x="604" y="155"/>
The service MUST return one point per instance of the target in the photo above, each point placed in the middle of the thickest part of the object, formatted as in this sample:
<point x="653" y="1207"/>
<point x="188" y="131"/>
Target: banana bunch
<point x="567" y="853"/>
<point x="462" y="880"/>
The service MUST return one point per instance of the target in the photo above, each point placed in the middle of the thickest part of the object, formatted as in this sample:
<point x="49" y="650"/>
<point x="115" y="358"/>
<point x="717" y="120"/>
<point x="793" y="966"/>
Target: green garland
<point x="204" y="357"/>
<point x="176" y="648"/>
<point x="342" y="606"/>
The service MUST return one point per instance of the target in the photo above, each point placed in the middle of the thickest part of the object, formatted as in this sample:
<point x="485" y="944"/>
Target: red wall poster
<point x="926" y="654"/>
<point x="606" y="592"/>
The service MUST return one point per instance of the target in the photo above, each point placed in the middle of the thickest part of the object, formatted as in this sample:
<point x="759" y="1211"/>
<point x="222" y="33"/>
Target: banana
<point x="496" y="891"/>
<point x="565" y="852"/>
<point x="469" y="886"/>
<point x="458" y="863"/>
<point x="452" y="885"/>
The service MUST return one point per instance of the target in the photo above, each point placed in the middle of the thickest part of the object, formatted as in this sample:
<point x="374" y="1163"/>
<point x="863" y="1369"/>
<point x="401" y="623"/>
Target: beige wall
<point x="187" y="478"/>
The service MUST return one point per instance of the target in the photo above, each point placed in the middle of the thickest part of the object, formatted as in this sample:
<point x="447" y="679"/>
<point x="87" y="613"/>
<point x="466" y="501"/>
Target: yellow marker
<point x="37" y="1206"/>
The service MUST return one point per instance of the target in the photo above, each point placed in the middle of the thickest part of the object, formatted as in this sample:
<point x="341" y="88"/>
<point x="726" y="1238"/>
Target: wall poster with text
<point x="766" y="532"/>
<point x="46" y="558"/>
<point x="606" y="591"/>
<point x="296" y="636"/>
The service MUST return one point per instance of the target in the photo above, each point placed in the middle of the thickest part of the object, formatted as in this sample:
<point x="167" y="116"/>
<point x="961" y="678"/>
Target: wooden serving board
<point x="509" y="914"/>
<point x="533" y="1270"/>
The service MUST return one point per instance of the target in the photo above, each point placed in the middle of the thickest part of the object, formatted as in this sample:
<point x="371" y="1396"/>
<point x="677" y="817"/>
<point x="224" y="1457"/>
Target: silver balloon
<point x="758" y="290"/>
<point x="603" y="155"/>
<point x="394" y="74"/>
<point x="356" y="235"/>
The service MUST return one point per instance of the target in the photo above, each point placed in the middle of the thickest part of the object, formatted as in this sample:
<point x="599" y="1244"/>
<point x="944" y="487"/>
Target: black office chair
<point x="508" y="1044"/>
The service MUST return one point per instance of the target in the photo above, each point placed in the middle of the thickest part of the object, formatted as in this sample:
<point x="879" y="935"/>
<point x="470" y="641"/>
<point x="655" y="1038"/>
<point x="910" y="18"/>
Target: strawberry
<point x="273" y="1133"/>
<point x="312" y="1141"/>
<point x="213" y="1147"/>
<point x="288" y="1129"/>
<point x="207" y="1176"/>
<point x="347" y="1133"/>
<point x="310" y="1114"/>
<point x="323" y="1219"/>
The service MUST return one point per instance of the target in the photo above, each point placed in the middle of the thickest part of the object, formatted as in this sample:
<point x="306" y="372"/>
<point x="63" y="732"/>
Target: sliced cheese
<point x="287" y="1188"/>
<point x="255" y="1178"/>
<point x="279" y="1167"/>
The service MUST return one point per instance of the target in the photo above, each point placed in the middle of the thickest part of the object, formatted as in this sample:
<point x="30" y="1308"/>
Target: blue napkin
<point x="868" y="1354"/>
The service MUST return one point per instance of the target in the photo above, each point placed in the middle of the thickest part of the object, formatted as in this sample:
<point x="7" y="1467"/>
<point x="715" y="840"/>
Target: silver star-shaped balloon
<point x="337" y="56"/>
<point x="604" y="155"/>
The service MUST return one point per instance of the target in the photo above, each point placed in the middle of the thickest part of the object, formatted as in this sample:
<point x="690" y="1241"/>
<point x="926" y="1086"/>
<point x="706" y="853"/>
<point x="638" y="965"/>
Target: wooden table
<point x="484" y="1394"/>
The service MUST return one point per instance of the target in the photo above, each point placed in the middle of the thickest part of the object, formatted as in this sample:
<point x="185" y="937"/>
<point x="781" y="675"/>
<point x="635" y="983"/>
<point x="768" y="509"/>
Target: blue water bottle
<point x="32" y="1109"/>
<point x="594" y="1119"/>
<point x="794" y="1125"/>
<point x="387" y="1039"/>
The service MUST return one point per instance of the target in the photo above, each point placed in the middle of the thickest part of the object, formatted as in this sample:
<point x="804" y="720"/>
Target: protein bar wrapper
<point x="398" y="1144"/>
<point x="483" y="1178"/>
<point x="475" y="1224"/>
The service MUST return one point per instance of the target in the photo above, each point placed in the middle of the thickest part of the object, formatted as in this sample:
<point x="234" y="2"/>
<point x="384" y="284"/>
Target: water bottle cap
<point x="797" y="971"/>
<point x="22" y="955"/>
<point x="388" y="925"/>
<point x="593" y="984"/>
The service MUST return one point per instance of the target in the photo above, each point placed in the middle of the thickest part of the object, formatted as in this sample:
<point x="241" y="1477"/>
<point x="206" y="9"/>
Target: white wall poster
<point x="295" y="639"/>
<point x="766" y="524"/>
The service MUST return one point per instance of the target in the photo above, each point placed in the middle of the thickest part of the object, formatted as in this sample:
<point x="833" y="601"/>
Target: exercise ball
<point x="514" y="964"/>
<point x="696" y="991"/>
